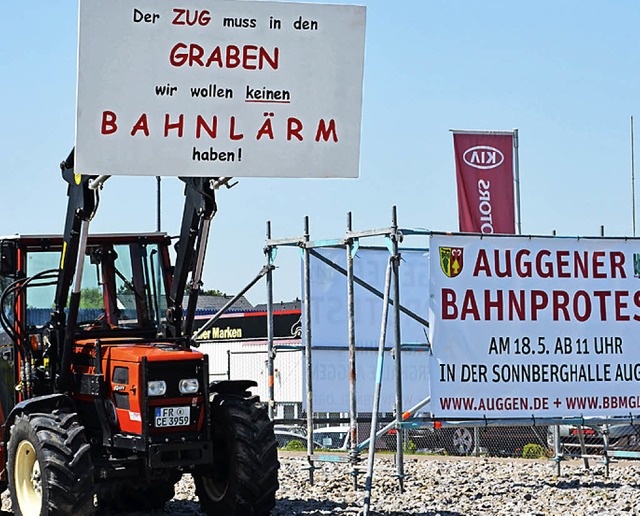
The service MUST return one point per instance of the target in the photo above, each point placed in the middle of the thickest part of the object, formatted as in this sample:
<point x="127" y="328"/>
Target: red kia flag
<point x="484" y="172"/>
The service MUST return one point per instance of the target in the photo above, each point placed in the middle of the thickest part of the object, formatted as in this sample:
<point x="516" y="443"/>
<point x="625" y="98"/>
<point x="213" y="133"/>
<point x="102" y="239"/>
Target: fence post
<point x="556" y="447"/>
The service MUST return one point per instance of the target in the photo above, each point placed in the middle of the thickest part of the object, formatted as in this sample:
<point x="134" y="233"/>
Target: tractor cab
<point x="124" y="282"/>
<point x="123" y="303"/>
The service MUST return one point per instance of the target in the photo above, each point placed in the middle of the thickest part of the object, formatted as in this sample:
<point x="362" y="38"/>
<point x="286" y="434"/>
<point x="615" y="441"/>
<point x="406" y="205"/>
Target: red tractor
<point x="101" y="392"/>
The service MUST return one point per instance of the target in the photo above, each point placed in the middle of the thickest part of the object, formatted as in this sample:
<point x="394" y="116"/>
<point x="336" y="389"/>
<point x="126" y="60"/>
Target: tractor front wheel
<point x="49" y="465"/>
<point x="244" y="476"/>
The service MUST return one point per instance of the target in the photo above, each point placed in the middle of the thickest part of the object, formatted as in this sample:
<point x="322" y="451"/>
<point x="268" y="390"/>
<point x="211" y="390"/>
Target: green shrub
<point x="411" y="446"/>
<point x="294" y="445"/>
<point x="533" y="451"/>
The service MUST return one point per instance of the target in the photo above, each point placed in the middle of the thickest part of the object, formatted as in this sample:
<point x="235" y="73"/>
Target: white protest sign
<point x="534" y="326"/>
<point x="329" y="314"/>
<point x="219" y="88"/>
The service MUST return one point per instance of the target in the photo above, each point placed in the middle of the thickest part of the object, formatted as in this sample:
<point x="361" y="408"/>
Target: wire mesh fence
<point x="422" y="435"/>
<point x="332" y="434"/>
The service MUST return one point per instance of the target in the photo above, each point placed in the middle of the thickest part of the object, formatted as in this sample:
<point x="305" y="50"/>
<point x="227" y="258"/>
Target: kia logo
<point x="483" y="157"/>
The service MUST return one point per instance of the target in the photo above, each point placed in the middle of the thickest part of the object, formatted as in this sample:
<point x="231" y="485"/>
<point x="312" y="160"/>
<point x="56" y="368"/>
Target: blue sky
<point x="564" y="73"/>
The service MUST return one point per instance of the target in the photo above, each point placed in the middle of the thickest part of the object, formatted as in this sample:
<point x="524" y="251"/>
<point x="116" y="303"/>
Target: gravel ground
<point x="446" y="486"/>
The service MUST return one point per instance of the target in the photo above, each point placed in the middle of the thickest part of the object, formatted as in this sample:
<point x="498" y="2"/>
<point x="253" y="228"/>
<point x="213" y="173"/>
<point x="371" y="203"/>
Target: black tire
<point x="131" y="496"/>
<point x="243" y="478"/>
<point x="49" y="465"/>
<point x="6" y="404"/>
<point x="459" y="441"/>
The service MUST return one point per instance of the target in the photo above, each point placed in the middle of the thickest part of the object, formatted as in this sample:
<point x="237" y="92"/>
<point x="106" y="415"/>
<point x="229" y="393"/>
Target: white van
<point x="333" y="437"/>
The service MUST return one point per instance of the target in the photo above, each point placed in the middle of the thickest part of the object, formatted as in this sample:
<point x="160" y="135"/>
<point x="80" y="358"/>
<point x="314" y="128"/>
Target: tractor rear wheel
<point x="49" y="465"/>
<point x="243" y="478"/>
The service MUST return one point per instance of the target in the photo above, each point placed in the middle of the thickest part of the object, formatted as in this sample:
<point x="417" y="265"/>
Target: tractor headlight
<point x="156" y="388"/>
<point x="189" y="386"/>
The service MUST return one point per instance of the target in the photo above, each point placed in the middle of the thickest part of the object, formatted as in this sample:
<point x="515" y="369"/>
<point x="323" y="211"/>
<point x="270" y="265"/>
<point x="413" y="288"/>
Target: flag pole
<point x="516" y="180"/>
<point x="633" y="184"/>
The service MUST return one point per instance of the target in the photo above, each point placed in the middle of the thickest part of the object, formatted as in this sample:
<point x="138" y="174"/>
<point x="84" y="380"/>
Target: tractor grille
<point x="159" y="428"/>
<point x="173" y="372"/>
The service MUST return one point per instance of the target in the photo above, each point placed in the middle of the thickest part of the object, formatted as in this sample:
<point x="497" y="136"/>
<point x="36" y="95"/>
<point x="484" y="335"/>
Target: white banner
<point x="331" y="380"/>
<point x="329" y="322"/>
<point x="219" y="88"/>
<point x="534" y="326"/>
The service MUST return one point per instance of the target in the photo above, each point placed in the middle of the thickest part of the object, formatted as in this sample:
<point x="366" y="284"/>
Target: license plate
<point x="585" y="431"/>
<point x="172" y="416"/>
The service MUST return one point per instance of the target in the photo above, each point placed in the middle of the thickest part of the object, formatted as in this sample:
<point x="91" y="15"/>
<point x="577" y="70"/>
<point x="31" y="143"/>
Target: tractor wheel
<point x="129" y="496"/>
<point x="49" y="465"/>
<point x="243" y="478"/>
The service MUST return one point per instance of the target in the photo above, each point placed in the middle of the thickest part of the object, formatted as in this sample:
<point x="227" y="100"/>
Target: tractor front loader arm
<point x="199" y="209"/>
<point x="83" y="193"/>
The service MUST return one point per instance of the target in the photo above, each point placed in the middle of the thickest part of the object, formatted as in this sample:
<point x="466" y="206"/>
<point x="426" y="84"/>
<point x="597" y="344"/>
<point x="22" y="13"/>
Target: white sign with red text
<point x="534" y="326"/>
<point x="219" y="88"/>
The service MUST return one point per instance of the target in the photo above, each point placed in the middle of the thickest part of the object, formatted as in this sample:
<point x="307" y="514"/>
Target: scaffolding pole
<point x="378" y="389"/>
<point x="354" y="454"/>
<point x="307" y="347"/>
<point x="271" y="356"/>
<point x="396" y="236"/>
